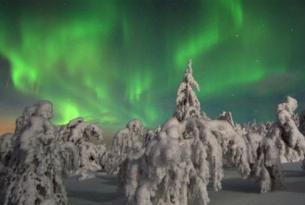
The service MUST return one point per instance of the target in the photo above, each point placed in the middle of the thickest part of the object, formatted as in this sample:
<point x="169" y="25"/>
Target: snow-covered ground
<point x="236" y="191"/>
<point x="94" y="191"/>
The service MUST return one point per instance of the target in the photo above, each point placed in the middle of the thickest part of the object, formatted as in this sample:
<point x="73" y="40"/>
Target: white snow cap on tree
<point x="186" y="100"/>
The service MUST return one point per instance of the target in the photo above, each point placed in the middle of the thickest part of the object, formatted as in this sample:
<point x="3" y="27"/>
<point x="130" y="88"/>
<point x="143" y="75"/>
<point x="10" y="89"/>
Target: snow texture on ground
<point x="236" y="191"/>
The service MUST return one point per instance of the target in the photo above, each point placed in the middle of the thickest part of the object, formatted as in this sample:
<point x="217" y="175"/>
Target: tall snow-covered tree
<point x="186" y="100"/>
<point x="38" y="163"/>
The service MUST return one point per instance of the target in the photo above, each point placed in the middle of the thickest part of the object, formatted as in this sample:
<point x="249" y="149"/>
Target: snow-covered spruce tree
<point x="197" y="129"/>
<point x="233" y="144"/>
<point x="267" y="168"/>
<point x="186" y="99"/>
<point x="128" y="137"/>
<point x="292" y="139"/>
<point x="89" y="141"/>
<point x="261" y="145"/>
<point x="253" y="134"/>
<point x="37" y="162"/>
<point x="127" y="144"/>
<point x="171" y="171"/>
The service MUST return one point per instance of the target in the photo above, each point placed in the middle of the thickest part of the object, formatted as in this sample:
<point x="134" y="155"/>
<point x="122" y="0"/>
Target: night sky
<point x="113" y="60"/>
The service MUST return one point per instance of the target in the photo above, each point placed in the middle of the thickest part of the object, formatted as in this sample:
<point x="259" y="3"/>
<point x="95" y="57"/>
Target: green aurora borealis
<point x="114" y="60"/>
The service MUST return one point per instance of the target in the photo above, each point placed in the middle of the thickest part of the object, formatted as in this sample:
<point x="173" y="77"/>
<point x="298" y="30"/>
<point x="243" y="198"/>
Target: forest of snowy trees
<point x="169" y="165"/>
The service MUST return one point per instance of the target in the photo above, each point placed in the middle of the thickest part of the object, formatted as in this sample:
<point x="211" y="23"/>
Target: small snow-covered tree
<point x="291" y="137"/>
<point x="127" y="138"/>
<point x="88" y="139"/>
<point x="127" y="144"/>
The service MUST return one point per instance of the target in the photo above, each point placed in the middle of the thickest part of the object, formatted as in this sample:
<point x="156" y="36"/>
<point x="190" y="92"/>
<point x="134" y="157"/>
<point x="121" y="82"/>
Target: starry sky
<point x="113" y="60"/>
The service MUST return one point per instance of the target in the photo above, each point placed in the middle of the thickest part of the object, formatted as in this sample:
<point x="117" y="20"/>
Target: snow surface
<point x="236" y="191"/>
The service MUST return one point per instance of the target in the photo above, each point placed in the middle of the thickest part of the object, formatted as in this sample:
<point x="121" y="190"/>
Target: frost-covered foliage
<point x="302" y="122"/>
<point x="37" y="163"/>
<point x="6" y="149"/>
<point x="170" y="171"/>
<point x="253" y="134"/>
<point x="7" y="142"/>
<point x="127" y="144"/>
<point x="199" y="130"/>
<point x="227" y="116"/>
<point x="291" y="137"/>
<point x="88" y="139"/>
<point x="187" y="101"/>
<point x="268" y="145"/>
<point x="128" y="138"/>
<point x="268" y="165"/>
<point x="302" y="129"/>
<point x="233" y="145"/>
<point x="263" y="154"/>
<point x="150" y="135"/>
